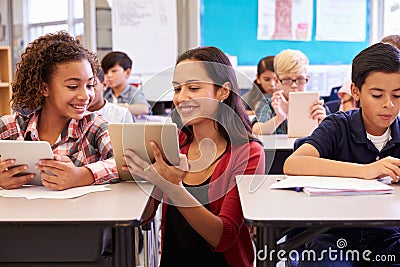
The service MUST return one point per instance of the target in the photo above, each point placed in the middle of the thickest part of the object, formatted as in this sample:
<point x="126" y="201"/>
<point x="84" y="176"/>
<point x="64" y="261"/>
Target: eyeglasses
<point x="298" y="81"/>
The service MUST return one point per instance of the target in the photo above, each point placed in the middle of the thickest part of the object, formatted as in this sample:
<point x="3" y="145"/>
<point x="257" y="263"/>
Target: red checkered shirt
<point x="86" y="142"/>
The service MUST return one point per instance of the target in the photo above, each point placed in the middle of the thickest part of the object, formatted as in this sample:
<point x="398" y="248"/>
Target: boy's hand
<point x="280" y="104"/>
<point x="388" y="166"/>
<point x="60" y="173"/>
<point x="317" y="111"/>
<point x="9" y="178"/>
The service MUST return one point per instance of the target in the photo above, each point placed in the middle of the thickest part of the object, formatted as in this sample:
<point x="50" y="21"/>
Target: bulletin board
<point x="231" y="25"/>
<point x="147" y="31"/>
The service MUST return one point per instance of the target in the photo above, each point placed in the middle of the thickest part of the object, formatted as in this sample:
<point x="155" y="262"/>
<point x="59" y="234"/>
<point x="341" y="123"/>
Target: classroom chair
<point x="334" y="95"/>
<point x="333" y="106"/>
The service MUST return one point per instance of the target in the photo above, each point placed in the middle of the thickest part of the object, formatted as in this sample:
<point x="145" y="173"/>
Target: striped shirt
<point x="86" y="142"/>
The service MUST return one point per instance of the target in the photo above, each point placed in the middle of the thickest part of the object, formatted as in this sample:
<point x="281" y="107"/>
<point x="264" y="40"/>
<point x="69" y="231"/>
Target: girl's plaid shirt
<point x="86" y="142"/>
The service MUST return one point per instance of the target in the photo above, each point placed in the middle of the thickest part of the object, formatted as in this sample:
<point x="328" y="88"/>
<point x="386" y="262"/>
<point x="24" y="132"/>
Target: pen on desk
<point x="298" y="189"/>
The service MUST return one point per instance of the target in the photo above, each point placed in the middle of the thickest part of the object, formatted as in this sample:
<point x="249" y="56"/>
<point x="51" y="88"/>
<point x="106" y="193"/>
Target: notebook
<point x="299" y="122"/>
<point x="136" y="136"/>
<point x="320" y="185"/>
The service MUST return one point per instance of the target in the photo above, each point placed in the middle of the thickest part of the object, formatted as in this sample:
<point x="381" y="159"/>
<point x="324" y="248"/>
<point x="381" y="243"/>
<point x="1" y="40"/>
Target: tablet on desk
<point x="26" y="152"/>
<point x="299" y="122"/>
<point x="136" y="136"/>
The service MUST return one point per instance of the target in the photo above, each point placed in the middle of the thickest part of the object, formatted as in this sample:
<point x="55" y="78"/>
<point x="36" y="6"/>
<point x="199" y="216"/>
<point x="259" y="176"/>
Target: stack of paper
<point x="319" y="185"/>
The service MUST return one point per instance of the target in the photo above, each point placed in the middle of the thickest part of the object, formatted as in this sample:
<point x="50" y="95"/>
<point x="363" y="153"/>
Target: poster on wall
<point x="341" y="20"/>
<point x="289" y="20"/>
<point x="147" y="31"/>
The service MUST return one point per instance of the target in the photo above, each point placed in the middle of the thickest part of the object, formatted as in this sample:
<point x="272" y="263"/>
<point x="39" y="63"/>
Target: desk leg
<point x="123" y="244"/>
<point x="266" y="246"/>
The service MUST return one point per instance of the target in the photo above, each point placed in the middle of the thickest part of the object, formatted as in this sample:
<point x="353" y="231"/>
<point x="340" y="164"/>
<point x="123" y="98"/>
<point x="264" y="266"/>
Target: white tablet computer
<point x="136" y="136"/>
<point x="26" y="152"/>
<point x="299" y="122"/>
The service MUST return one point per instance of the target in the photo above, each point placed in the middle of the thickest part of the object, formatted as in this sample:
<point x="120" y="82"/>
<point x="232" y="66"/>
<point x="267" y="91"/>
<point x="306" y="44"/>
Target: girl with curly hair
<point x="52" y="88"/>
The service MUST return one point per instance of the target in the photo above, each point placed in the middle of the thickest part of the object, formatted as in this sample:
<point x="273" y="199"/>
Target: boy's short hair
<point x="380" y="57"/>
<point x="290" y="61"/>
<point x="392" y="39"/>
<point x="116" y="57"/>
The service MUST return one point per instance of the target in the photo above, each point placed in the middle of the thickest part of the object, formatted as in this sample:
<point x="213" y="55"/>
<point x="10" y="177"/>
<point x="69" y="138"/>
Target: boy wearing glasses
<point x="291" y="67"/>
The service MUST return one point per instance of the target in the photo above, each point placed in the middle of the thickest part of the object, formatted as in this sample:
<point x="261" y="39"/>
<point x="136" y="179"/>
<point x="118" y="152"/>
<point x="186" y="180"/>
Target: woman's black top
<point x="183" y="246"/>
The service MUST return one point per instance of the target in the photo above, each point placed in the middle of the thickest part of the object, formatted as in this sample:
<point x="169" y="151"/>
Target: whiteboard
<point x="147" y="31"/>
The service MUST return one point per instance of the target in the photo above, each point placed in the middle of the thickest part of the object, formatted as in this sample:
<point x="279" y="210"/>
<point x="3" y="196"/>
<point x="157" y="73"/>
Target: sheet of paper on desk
<point x="34" y="192"/>
<point x="335" y="184"/>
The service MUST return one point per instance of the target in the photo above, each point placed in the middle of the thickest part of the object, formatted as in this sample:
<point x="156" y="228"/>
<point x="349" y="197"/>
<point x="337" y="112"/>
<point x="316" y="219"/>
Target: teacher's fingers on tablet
<point x="183" y="163"/>
<point x="131" y="158"/>
<point x="157" y="152"/>
<point x="133" y="161"/>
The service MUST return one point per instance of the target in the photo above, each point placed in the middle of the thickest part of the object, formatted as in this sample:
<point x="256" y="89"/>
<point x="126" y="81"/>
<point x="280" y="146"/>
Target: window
<point x="65" y="15"/>
<point x="391" y="22"/>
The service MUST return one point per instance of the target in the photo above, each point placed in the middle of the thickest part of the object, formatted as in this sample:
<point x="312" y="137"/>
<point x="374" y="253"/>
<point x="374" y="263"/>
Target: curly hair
<point x="38" y="64"/>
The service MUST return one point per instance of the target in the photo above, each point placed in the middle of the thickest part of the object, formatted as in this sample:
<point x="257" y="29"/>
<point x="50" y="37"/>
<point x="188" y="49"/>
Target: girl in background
<point x="263" y="86"/>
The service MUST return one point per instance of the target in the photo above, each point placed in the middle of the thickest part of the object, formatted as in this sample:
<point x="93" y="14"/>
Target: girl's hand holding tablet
<point x="60" y="173"/>
<point x="9" y="178"/>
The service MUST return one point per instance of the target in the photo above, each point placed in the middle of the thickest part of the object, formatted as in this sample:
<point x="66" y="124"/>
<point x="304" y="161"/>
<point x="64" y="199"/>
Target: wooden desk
<point x="275" y="210"/>
<point x="277" y="148"/>
<point x="120" y="209"/>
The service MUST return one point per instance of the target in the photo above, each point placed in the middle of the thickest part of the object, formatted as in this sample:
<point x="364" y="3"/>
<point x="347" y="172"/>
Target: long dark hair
<point x="266" y="63"/>
<point x="232" y="120"/>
